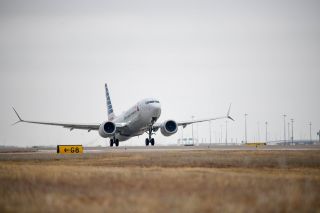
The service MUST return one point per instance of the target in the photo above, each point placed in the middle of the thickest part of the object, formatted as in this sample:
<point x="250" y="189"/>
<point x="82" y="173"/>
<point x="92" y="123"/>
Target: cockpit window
<point x="154" y="101"/>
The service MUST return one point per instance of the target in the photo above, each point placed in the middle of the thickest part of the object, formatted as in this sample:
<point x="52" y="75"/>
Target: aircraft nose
<point x="156" y="109"/>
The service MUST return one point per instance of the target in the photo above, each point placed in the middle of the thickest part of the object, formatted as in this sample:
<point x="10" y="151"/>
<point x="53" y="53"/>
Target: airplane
<point x="139" y="119"/>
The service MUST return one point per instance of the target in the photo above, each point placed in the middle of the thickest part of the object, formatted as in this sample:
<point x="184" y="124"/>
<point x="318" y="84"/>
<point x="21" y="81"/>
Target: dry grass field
<point x="161" y="181"/>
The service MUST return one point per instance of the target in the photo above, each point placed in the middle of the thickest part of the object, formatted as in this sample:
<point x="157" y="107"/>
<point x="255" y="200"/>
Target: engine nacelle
<point x="107" y="129"/>
<point x="169" y="127"/>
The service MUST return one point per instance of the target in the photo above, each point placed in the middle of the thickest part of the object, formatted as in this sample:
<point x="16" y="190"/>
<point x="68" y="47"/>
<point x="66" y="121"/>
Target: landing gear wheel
<point x="150" y="139"/>
<point x="111" y="142"/>
<point x="117" y="142"/>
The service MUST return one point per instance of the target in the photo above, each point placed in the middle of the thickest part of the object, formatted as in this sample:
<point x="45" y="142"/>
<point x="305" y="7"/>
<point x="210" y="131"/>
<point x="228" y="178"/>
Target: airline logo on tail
<point x="109" y="104"/>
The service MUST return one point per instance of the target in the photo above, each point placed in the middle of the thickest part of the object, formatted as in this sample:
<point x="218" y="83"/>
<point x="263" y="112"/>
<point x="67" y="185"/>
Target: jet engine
<point x="169" y="127"/>
<point x="107" y="129"/>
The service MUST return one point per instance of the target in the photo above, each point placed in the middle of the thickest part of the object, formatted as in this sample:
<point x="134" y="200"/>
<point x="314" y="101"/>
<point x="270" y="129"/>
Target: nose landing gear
<point x="150" y="140"/>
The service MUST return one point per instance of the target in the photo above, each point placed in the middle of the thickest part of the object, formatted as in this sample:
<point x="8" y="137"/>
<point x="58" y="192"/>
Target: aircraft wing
<point x="70" y="126"/>
<point x="185" y="123"/>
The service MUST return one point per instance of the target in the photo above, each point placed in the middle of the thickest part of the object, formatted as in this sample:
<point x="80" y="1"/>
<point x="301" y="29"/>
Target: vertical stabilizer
<point x="111" y="115"/>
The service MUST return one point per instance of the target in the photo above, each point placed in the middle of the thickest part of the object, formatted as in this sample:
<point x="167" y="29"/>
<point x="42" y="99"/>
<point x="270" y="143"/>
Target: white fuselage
<point x="138" y="118"/>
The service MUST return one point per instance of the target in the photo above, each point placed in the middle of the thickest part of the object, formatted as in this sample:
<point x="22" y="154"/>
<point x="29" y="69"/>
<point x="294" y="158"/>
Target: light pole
<point x="291" y="131"/>
<point x="310" y="132"/>
<point x="266" y="131"/>
<point x="318" y="133"/>
<point x="182" y="136"/>
<point x="284" y="128"/>
<point x="192" y="130"/>
<point x="245" y="128"/>
<point x="226" y="132"/>
<point x="288" y="133"/>
<point x="197" y="134"/>
<point x="210" y="131"/>
<point x="221" y="134"/>
<point x="258" y="125"/>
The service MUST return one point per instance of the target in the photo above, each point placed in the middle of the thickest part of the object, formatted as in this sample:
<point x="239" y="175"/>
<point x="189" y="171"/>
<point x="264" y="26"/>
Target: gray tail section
<point x="111" y="115"/>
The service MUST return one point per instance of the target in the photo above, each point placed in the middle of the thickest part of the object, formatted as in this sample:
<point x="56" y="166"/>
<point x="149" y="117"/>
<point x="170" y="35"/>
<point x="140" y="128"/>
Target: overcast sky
<point x="196" y="57"/>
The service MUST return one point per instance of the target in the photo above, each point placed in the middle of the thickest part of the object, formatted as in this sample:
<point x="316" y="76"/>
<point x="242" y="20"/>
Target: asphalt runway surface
<point x="199" y="148"/>
<point x="165" y="148"/>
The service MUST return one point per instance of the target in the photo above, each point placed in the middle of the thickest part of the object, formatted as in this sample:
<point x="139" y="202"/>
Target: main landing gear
<point x="114" y="141"/>
<point x="150" y="140"/>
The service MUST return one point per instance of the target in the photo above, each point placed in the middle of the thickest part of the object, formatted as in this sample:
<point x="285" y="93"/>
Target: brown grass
<point x="161" y="181"/>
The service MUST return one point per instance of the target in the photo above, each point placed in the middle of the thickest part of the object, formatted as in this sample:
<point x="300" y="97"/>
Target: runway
<point x="202" y="147"/>
<point x="164" y="148"/>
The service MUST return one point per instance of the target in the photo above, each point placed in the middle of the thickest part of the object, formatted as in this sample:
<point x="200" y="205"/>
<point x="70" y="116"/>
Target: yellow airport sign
<point x="69" y="149"/>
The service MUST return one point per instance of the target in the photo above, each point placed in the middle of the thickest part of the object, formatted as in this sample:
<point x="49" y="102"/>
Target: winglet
<point x="20" y="119"/>
<point x="228" y="113"/>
